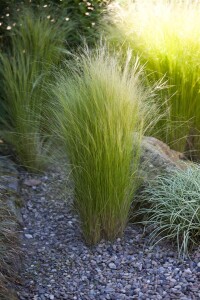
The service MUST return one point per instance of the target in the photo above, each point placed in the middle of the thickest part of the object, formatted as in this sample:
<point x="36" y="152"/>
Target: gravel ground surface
<point x="58" y="265"/>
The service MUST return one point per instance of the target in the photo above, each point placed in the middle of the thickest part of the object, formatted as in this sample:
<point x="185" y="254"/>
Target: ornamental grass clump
<point x="173" y="208"/>
<point x="102" y="112"/>
<point x="166" y="36"/>
<point x="36" y="44"/>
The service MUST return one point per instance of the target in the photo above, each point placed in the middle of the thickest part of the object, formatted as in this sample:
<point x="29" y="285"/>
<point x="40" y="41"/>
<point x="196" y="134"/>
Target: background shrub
<point x="165" y="34"/>
<point x="84" y="15"/>
<point x="36" y="45"/>
<point x="81" y="18"/>
<point x="173" y="207"/>
<point x="103" y="112"/>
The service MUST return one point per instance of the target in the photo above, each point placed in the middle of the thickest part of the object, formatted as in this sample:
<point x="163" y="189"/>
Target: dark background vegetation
<point x="81" y="16"/>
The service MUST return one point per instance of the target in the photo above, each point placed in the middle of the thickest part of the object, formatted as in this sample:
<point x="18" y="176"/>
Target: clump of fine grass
<point x="9" y="249"/>
<point x="102" y="112"/>
<point x="166" y="36"/>
<point x="173" y="208"/>
<point x="36" y="44"/>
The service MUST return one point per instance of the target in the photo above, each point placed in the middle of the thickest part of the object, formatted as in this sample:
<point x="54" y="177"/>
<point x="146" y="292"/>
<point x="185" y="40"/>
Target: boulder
<point x="157" y="158"/>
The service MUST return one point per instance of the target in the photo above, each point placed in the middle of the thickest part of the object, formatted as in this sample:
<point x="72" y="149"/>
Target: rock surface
<point x="157" y="158"/>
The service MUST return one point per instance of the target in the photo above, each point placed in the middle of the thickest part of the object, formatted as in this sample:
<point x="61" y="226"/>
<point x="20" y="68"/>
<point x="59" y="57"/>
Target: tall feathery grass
<point x="36" y="44"/>
<point x="102" y="112"/>
<point x="166" y="36"/>
<point x="173" y="208"/>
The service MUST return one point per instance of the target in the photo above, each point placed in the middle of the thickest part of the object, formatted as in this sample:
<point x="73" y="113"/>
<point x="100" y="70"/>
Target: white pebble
<point x="28" y="236"/>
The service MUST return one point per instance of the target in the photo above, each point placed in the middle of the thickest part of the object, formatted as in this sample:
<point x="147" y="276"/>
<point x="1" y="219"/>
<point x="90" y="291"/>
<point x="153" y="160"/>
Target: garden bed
<point x="59" y="265"/>
<point x="101" y="107"/>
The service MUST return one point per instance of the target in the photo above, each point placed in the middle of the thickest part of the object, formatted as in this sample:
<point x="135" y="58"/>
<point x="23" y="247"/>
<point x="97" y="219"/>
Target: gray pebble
<point x="112" y="266"/>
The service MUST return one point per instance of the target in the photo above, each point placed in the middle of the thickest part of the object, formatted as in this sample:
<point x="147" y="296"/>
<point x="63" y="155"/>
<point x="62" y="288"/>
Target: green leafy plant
<point x="173" y="208"/>
<point x="165" y="34"/>
<point x="36" y="45"/>
<point x="102" y="112"/>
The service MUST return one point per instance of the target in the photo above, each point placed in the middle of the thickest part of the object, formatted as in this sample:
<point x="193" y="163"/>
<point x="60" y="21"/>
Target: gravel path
<point x="58" y="265"/>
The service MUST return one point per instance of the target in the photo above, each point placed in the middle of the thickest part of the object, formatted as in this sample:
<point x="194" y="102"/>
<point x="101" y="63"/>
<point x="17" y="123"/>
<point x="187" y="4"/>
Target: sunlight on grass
<point x="166" y="36"/>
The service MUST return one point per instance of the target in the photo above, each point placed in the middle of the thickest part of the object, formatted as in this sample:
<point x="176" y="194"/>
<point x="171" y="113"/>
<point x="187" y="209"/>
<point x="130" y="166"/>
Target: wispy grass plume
<point x="166" y="35"/>
<point x="102" y="112"/>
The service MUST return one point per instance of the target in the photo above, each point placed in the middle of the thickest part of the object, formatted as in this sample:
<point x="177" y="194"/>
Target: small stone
<point x="154" y="263"/>
<point x="51" y="297"/>
<point x="174" y="290"/>
<point x="32" y="182"/>
<point x="177" y="287"/>
<point x="28" y="236"/>
<point x="112" y="266"/>
<point x="161" y="270"/>
<point x="188" y="271"/>
<point x="128" y="287"/>
<point x="109" y="290"/>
